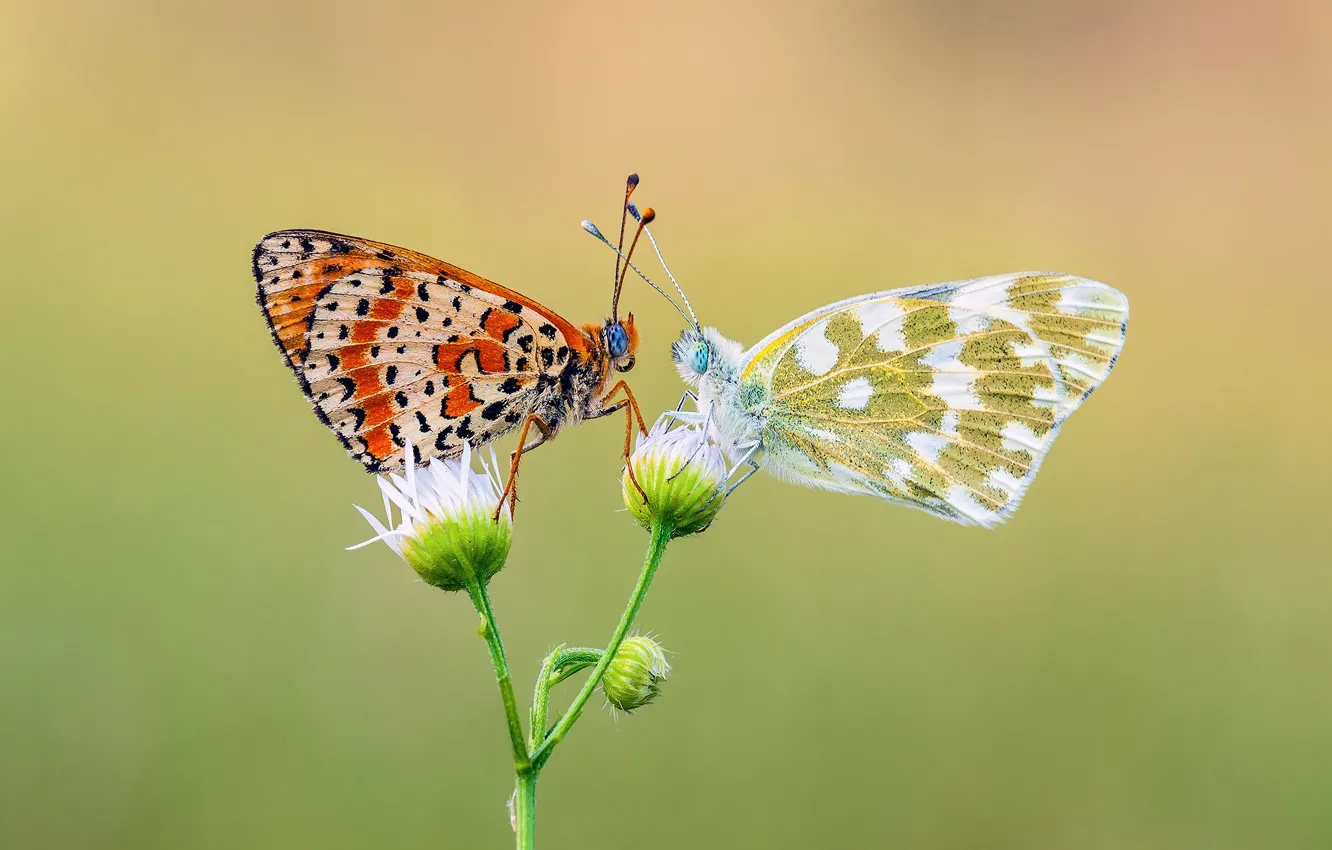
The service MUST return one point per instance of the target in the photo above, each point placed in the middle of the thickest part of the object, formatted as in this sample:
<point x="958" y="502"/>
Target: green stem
<point x="570" y="661"/>
<point x="524" y="809"/>
<point x="541" y="700"/>
<point x="558" y="666"/>
<point x="522" y="762"/>
<point x="661" y="535"/>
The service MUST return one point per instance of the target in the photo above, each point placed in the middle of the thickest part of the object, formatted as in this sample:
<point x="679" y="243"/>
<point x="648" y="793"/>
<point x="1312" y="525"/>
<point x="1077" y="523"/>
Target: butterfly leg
<point x="753" y="467"/>
<point x="682" y="415"/>
<point x="510" y="493"/>
<point x="747" y="459"/>
<point x="630" y="404"/>
<point x="707" y="427"/>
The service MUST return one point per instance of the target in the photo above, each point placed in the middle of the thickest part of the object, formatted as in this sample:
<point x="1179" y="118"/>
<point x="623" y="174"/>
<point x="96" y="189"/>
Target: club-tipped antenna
<point x="592" y="228"/>
<point x="643" y="221"/>
<point x="630" y="184"/>
<point x="634" y="212"/>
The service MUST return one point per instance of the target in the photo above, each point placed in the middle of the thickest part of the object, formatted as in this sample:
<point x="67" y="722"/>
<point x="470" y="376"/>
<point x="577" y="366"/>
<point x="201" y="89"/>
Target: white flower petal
<point x="404" y="503"/>
<point x="439" y="489"/>
<point x="382" y="532"/>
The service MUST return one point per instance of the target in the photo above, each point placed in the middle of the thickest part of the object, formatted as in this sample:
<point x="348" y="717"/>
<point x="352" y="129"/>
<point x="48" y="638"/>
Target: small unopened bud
<point x="633" y="678"/>
<point x="446" y="530"/>
<point x="682" y="473"/>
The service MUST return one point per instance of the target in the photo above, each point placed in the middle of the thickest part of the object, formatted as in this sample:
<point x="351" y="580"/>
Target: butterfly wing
<point x="390" y="345"/>
<point x="944" y="398"/>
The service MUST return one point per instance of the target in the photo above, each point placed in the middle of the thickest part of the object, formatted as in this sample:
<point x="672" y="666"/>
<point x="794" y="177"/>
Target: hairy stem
<point x="558" y="666"/>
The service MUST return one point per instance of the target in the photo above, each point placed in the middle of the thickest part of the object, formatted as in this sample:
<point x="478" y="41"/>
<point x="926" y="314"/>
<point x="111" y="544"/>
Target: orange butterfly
<point x="392" y="346"/>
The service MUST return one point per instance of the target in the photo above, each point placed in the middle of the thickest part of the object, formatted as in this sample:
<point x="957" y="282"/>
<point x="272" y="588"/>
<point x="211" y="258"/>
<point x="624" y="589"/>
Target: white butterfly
<point x="943" y="397"/>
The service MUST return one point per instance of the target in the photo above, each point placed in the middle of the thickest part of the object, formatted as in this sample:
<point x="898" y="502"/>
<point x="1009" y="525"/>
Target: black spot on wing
<point x="348" y="388"/>
<point x="442" y="439"/>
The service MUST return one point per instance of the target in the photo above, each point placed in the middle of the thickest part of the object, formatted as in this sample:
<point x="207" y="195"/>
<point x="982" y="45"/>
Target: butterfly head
<point x="704" y="352"/>
<point x="621" y="340"/>
<point x="692" y="355"/>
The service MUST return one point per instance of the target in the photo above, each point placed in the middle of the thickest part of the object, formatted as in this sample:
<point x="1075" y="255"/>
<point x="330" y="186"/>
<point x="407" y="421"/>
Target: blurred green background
<point x="188" y="658"/>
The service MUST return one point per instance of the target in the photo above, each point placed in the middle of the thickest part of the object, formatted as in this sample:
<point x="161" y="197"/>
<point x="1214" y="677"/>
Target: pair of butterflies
<point x="943" y="398"/>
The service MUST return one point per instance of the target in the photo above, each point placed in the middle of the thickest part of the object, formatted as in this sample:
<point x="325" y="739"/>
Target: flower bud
<point x="634" y="676"/>
<point x="446" y="531"/>
<point x="681" y="470"/>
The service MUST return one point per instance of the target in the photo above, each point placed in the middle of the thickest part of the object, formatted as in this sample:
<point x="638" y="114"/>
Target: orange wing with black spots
<point x="390" y="345"/>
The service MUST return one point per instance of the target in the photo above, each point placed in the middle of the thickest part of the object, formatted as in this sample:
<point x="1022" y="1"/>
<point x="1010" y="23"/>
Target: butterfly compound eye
<point x="699" y="357"/>
<point x="617" y="341"/>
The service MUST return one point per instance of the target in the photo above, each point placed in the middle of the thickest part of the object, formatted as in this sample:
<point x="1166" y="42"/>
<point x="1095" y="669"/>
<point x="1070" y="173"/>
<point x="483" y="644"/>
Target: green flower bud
<point x="682" y="472"/>
<point x="446" y="531"/>
<point x="634" y="676"/>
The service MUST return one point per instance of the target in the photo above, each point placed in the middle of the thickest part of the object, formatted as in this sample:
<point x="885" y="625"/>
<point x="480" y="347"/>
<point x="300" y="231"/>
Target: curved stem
<point x="522" y="762"/>
<point x="571" y="661"/>
<point x="558" y="666"/>
<point x="541" y="700"/>
<point x="661" y="535"/>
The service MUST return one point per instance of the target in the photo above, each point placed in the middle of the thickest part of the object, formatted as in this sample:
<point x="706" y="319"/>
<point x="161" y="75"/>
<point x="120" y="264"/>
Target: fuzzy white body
<point x="737" y="420"/>
<point x="735" y="429"/>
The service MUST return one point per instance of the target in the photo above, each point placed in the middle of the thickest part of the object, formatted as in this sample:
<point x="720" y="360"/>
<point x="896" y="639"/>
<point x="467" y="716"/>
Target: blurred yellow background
<point x="188" y="658"/>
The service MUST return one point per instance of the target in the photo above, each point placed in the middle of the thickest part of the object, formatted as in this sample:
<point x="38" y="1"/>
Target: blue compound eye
<point x="617" y="341"/>
<point x="698" y="359"/>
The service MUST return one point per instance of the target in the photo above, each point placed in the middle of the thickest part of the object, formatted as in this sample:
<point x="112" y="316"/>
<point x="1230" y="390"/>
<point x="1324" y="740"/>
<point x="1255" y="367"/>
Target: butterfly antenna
<point x="630" y="184"/>
<point x="592" y="228"/>
<point x="643" y="221"/>
<point x="692" y="318"/>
